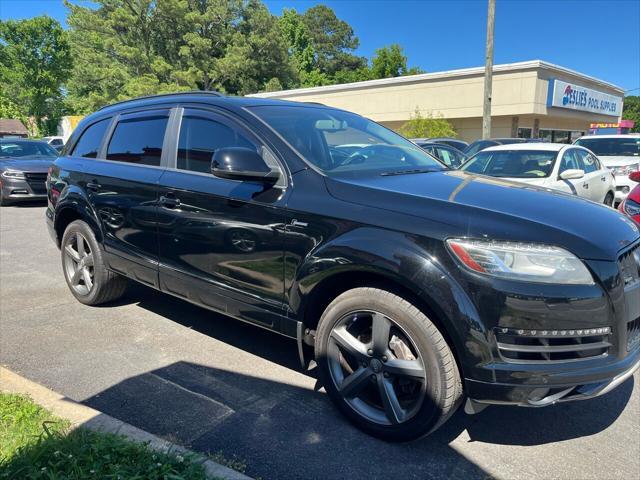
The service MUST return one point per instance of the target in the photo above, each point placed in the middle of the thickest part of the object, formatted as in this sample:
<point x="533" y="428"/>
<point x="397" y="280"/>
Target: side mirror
<point x="238" y="163"/>
<point x="634" y="176"/>
<point x="572" y="174"/>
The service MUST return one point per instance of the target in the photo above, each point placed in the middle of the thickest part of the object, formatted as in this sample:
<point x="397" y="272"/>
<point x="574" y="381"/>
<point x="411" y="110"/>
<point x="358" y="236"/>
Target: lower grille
<point x="37" y="182"/>
<point x="548" y="346"/>
<point x="633" y="334"/>
<point x="629" y="263"/>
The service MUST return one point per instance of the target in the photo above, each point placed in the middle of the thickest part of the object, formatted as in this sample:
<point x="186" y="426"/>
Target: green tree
<point x="333" y="41"/>
<point x="420" y="126"/>
<point x="631" y="111"/>
<point x="391" y="62"/>
<point x="35" y="60"/>
<point x="126" y="48"/>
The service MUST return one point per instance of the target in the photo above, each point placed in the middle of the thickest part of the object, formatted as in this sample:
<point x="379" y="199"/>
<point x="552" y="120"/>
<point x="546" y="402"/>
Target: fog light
<point x="625" y="189"/>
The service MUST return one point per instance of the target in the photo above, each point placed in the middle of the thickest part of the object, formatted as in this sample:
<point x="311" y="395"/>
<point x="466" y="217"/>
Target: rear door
<point x="122" y="185"/>
<point x="221" y="241"/>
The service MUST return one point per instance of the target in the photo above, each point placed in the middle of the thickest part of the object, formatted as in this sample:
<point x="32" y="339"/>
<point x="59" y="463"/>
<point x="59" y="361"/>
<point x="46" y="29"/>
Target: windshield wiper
<point x="407" y="172"/>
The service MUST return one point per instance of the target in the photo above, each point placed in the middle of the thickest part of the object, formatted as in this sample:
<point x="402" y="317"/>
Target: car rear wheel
<point x="83" y="266"/>
<point x="608" y="200"/>
<point x="385" y="365"/>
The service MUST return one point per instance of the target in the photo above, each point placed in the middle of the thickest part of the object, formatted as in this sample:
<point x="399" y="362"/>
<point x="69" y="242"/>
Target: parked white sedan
<point x="568" y="168"/>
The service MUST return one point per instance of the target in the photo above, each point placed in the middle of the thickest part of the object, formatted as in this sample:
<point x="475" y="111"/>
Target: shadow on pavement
<point x="284" y="431"/>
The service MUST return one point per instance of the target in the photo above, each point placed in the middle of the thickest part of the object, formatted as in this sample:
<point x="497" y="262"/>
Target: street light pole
<point x="488" y="72"/>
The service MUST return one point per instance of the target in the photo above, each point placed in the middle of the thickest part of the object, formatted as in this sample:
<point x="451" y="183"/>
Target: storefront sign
<point x="576" y="97"/>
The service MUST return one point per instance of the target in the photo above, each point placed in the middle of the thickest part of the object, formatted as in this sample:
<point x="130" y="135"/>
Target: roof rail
<point x="159" y="95"/>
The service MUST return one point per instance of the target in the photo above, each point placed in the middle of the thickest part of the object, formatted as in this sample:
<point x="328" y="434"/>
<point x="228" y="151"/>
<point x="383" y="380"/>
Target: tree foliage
<point x="631" y="111"/>
<point x="420" y="126"/>
<point x="35" y="60"/>
<point x="391" y="62"/>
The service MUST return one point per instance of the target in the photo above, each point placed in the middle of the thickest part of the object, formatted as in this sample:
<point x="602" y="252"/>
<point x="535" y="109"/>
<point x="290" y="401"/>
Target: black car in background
<point x="23" y="169"/>
<point x="452" y="142"/>
<point x="411" y="285"/>
<point x="450" y="156"/>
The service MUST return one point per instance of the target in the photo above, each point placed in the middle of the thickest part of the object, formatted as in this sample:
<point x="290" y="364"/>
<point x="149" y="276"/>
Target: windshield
<point x="342" y="143"/>
<point x="26" y="149"/>
<point x="612" y="147"/>
<point x="512" y="163"/>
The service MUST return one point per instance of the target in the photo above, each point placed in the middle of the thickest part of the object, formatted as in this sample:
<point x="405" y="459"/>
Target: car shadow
<point x="270" y="422"/>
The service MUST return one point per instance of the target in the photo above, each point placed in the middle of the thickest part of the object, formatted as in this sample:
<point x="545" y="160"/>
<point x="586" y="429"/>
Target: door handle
<point x="585" y="185"/>
<point x="604" y="179"/>
<point x="94" y="186"/>
<point x="169" y="201"/>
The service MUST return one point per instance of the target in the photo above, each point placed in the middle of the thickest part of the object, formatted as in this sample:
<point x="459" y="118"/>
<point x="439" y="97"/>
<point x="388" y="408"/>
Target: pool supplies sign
<point x="576" y="97"/>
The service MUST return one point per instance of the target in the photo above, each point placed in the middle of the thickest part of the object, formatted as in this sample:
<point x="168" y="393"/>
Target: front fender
<point x="405" y="260"/>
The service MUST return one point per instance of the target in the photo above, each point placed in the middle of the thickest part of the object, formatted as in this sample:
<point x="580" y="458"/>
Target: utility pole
<point x="488" y="72"/>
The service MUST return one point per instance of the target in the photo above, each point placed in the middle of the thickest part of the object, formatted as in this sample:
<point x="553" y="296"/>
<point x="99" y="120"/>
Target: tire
<point x="609" y="199"/>
<point x="430" y="396"/>
<point x="81" y="254"/>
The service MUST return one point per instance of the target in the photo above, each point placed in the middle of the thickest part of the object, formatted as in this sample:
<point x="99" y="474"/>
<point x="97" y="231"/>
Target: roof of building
<point x="12" y="126"/>
<point x="506" y="67"/>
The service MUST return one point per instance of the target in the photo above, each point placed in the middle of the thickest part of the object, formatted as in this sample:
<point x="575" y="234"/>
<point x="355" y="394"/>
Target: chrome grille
<point x="550" y="347"/>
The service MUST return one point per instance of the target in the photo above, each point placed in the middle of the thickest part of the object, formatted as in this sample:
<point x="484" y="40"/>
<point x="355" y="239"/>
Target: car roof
<point x="209" y="97"/>
<point x="543" y="147"/>
<point x="621" y="135"/>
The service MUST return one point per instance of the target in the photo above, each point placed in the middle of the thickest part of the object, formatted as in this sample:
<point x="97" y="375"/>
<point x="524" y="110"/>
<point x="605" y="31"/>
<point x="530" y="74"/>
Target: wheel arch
<point x="75" y="206"/>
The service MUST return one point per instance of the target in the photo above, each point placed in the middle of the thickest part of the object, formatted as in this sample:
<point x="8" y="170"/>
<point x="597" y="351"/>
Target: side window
<point x="91" y="138"/>
<point x="200" y="138"/>
<point x="570" y="161"/>
<point x="138" y="140"/>
<point x="590" y="162"/>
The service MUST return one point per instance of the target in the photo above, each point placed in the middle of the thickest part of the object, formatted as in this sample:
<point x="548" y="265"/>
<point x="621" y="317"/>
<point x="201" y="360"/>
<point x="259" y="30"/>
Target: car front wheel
<point x="83" y="266"/>
<point x="386" y="365"/>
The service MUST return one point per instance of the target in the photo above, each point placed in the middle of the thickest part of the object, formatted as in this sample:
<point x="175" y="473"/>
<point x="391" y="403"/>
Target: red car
<point x="631" y="205"/>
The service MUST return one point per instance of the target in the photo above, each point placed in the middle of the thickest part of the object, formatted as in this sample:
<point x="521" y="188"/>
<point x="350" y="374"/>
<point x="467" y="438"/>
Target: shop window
<point x="524" y="132"/>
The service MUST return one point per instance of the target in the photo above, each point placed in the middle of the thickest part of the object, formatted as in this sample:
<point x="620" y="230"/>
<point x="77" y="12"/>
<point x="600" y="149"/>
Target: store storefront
<point x="532" y="99"/>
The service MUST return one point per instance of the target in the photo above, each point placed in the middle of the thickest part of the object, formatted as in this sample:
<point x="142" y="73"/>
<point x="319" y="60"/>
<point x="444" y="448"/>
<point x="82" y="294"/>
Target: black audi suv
<point x="412" y="286"/>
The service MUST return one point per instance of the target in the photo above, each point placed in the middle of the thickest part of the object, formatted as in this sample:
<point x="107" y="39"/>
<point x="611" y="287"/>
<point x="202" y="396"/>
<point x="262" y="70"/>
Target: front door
<point x="598" y="178"/>
<point x="221" y="241"/>
<point x="572" y="161"/>
<point x="123" y="190"/>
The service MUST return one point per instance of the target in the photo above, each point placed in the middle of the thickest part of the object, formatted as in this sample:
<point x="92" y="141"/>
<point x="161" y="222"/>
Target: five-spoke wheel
<point x="78" y="264"/>
<point x="386" y="365"/>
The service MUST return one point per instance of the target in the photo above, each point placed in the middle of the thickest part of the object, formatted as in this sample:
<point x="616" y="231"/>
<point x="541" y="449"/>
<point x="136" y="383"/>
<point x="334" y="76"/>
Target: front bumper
<point x="545" y="346"/>
<point x="15" y="189"/>
<point x="624" y="185"/>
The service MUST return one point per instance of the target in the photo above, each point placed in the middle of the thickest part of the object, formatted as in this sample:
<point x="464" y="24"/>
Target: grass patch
<point x="34" y="444"/>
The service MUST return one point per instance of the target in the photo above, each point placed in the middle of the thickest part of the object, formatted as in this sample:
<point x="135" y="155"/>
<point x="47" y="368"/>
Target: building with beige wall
<point x="529" y="99"/>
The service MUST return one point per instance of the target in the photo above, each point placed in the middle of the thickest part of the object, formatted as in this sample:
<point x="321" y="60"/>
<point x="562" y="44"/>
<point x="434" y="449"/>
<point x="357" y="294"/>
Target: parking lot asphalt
<point x="218" y="385"/>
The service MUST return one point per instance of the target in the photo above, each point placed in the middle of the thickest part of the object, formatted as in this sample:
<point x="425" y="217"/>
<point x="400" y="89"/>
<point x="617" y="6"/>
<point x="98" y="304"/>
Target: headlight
<point x="631" y="208"/>
<point x="13" y="174"/>
<point x="626" y="170"/>
<point x="528" y="262"/>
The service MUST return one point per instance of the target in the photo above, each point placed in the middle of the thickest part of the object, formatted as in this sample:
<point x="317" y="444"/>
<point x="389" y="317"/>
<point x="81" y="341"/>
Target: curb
<point x="87" y="417"/>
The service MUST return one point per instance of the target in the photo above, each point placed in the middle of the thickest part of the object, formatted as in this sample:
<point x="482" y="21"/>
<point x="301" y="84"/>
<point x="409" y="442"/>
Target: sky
<point x="600" y="38"/>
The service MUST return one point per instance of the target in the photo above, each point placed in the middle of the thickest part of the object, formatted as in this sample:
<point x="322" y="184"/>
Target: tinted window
<point x="56" y="141"/>
<point x="512" y="163"/>
<point x="629" y="146"/>
<point x="342" y="143"/>
<point x="90" y="141"/>
<point x="479" y="145"/>
<point x="200" y="138"/>
<point x="138" y="140"/>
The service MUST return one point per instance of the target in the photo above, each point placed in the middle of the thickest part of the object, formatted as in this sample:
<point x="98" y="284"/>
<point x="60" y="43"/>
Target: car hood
<point x="469" y="205"/>
<point x="619" y="160"/>
<point x="27" y="164"/>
